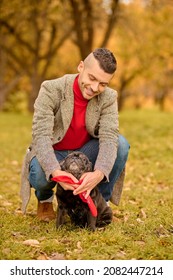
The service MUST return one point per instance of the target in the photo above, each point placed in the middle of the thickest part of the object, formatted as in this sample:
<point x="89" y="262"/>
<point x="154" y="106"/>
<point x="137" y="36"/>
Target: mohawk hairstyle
<point x="106" y="60"/>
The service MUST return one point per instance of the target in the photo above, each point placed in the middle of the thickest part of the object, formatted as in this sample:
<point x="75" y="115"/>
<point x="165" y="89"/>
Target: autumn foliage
<point x="44" y="41"/>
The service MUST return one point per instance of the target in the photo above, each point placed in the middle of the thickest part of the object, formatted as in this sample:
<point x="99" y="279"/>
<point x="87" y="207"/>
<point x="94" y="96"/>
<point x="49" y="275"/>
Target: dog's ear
<point x="88" y="166"/>
<point x="62" y="164"/>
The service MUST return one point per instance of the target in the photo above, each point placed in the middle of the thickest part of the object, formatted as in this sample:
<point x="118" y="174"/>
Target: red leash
<point x="87" y="200"/>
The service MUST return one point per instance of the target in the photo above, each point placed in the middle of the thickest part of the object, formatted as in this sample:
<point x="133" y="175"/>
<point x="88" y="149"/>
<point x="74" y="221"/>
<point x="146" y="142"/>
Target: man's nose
<point x="95" y="86"/>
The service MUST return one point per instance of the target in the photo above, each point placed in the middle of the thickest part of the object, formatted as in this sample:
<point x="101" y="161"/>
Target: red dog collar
<point x="87" y="200"/>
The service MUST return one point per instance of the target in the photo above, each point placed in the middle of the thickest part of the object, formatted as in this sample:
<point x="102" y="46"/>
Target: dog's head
<point x="76" y="163"/>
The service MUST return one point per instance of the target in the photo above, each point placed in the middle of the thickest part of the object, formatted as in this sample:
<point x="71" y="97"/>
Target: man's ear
<point x="80" y="66"/>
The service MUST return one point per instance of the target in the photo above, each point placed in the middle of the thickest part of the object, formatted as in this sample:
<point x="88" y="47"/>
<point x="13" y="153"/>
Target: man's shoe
<point x="45" y="211"/>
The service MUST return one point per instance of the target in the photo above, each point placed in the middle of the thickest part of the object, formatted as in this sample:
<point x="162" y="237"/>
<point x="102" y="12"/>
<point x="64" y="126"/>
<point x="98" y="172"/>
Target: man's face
<point x="92" y="79"/>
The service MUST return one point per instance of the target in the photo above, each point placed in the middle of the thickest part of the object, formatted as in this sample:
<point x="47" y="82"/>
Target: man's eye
<point x="103" y="85"/>
<point x="92" y="78"/>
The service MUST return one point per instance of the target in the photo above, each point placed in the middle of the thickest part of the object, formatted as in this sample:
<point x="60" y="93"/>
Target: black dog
<point x="77" y="163"/>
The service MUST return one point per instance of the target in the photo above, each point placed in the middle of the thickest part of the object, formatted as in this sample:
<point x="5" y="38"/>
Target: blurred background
<point x="45" y="39"/>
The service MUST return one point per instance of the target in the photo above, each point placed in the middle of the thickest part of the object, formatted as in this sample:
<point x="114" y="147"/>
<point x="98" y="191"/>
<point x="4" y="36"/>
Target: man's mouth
<point x="90" y="92"/>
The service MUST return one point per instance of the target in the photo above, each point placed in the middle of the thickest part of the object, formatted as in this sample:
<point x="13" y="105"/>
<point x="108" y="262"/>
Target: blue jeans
<point x="44" y="188"/>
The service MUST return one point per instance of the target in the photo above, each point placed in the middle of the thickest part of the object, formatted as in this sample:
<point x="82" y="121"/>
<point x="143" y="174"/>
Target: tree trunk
<point x="35" y="87"/>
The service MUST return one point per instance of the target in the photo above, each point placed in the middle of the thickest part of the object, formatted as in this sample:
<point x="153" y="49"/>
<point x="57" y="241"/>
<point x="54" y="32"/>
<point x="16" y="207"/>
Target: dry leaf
<point x="79" y="245"/>
<point x="121" y="254"/>
<point x="43" y="256"/>
<point x="6" y="251"/>
<point x="6" y="203"/>
<point x="133" y="202"/>
<point x="18" y="211"/>
<point x="139" y="220"/>
<point x="115" y="219"/>
<point x="31" y="242"/>
<point x="16" y="234"/>
<point x="171" y="229"/>
<point x="142" y="214"/>
<point x="140" y="242"/>
<point x="57" y="256"/>
<point x="126" y="217"/>
<point x="161" y="231"/>
<point x="161" y="202"/>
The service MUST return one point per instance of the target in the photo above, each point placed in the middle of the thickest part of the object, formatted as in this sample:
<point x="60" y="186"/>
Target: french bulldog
<point x="79" y="212"/>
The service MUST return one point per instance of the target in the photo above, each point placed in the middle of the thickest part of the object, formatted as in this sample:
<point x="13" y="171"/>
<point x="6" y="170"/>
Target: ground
<point x="142" y="227"/>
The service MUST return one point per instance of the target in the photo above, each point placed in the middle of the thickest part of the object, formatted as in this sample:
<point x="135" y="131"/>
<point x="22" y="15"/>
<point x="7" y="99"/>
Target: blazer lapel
<point x="67" y="102"/>
<point x="92" y="115"/>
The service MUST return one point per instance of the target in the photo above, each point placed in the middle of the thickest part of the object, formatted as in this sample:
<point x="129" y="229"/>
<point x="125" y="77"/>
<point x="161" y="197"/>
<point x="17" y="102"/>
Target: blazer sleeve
<point x="42" y="128"/>
<point x="108" y="133"/>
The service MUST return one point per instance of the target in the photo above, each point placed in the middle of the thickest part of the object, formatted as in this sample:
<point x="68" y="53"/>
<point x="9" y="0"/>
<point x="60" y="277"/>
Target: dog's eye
<point x="76" y="156"/>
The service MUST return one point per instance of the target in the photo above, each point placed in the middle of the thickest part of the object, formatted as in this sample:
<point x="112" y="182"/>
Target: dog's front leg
<point x="91" y="221"/>
<point x="61" y="212"/>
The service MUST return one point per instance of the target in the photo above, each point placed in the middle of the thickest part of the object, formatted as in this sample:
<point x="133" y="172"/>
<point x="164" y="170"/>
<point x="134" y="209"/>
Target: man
<point x="76" y="112"/>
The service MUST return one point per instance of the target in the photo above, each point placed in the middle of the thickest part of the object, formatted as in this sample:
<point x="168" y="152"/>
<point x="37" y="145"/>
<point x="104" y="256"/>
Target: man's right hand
<point x="65" y="186"/>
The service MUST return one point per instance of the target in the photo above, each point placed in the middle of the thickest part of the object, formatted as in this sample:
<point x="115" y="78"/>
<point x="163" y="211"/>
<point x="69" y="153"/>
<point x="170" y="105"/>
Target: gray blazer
<point x="53" y="111"/>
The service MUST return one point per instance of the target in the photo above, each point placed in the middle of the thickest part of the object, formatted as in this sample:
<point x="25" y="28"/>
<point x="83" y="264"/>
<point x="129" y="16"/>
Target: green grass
<point x="143" y="223"/>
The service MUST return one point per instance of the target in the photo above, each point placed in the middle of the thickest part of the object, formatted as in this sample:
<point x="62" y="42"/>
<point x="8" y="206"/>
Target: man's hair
<point x="106" y="60"/>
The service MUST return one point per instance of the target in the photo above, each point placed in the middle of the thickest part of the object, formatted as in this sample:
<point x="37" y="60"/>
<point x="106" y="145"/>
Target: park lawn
<point x="142" y="226"/>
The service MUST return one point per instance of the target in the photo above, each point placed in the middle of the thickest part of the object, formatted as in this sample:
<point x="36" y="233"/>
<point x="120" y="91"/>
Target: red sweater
<point x="76" y="135"/>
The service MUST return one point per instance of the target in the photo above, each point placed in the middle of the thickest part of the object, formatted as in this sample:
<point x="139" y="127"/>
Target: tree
<point x="35" y="34"/>
<point x="87" y="16"/>
<point x="145" y="40"/>
<point x="162" y="39"/>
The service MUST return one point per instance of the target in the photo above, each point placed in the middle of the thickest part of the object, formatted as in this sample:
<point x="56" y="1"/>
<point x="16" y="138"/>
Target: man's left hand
<point x="90" y="180"/>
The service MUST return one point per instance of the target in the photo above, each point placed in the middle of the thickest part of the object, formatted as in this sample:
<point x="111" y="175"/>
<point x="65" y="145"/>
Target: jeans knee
<point x="37" y="176"/>
<point x="123" y="146"/>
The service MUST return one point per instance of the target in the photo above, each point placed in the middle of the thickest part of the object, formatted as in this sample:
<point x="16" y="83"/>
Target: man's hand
<point x="90" y="180"/>
<point x="65" y="186"/>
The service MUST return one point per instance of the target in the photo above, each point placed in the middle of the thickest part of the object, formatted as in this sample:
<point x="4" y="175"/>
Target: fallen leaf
<point x="126" y="217"/>
<point x="57" y="256"/>
<point x="142" y="214"/>
<point x="115" y="219"/>
<point x="79" y="245"/>
<point x="6" y="251"/>
<point x="6" y="203"/>
<point x="18" y="211"/>
<point x="31" y="242"/>
<point x="133" y="202"/>
<point x="161" y="231"/>
<point x="140" y="242"/>
<point x="161" y="202"/>
<point x="43" y="256"/>
<point x="139" y="220"/>
<point x="171" y="229"/>
<point x="16" y="234"/>
<point x="121" y="254"/>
